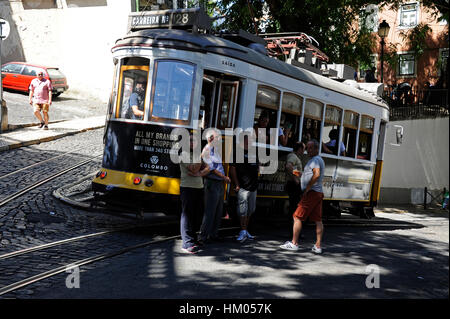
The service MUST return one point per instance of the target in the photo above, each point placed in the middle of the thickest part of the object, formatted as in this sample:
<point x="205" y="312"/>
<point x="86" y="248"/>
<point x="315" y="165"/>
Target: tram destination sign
<point x="183" y="18"/>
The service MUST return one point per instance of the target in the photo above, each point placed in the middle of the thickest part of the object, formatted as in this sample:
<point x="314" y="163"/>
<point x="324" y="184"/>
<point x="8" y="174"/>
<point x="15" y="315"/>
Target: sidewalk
<point x="409" y="211"/>
<point x="29" y="135"/>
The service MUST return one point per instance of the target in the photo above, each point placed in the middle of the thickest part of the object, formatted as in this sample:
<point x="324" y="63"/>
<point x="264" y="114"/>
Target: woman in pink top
<point x="41" y="98"/>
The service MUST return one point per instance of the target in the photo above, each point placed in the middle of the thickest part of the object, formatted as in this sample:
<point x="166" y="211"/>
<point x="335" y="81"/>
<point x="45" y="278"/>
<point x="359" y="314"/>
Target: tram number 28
<point x="181" y="18"/>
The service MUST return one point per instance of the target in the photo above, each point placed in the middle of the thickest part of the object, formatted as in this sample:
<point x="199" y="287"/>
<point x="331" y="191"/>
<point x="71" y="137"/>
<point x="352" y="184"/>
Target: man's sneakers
<point x="316" y="250"/>
<point x="289" y="246"/>
<point x="42" y="125"/>
<point x="190" y="250"/>
<point x="244" y="235"/>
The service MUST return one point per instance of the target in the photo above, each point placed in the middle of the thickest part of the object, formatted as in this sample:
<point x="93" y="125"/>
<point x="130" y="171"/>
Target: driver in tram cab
<point x="137" y="99"/>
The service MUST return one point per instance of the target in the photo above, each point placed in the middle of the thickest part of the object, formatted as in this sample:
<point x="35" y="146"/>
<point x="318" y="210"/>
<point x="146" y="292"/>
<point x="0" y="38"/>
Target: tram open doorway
<point x="219" y="102"/>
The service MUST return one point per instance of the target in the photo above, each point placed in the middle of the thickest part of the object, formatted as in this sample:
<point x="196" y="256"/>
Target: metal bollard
<point x="425" y="198"/>
<point x="4" y="117"/>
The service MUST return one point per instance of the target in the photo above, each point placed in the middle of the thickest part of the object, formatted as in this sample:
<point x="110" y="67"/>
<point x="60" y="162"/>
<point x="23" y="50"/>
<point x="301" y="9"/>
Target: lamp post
<point x="383" y="31"/>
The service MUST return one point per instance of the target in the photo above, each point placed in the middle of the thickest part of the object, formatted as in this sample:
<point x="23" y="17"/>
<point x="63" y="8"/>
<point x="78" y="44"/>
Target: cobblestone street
<point x="40" y="217"/>
<point x="409" y="245"/>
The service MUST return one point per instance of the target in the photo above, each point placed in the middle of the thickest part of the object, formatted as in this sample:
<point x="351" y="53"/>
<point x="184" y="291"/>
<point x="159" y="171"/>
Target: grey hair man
<point x="214" y="188"/>
<point x="310" y="205"/>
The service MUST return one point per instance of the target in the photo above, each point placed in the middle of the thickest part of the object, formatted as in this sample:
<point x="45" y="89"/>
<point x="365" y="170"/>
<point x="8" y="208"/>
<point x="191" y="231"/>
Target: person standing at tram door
<point x="41" y="98"/>
<point x="293" y="174"/>
<point x="191" y="194"/>
<point x="137" y="99"/>
<point x="310" y="205"/>
<point x="244" y="174"/>
<point x="214" y="189"/>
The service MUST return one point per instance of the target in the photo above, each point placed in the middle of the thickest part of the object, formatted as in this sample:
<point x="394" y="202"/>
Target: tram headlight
<point x="137" y="181"/>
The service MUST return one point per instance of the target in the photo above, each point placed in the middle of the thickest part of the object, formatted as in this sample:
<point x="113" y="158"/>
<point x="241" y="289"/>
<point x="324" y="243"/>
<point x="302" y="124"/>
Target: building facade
<point x="402" y="61"/>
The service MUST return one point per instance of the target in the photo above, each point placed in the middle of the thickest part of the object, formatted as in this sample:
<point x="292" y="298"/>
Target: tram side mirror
<point x="399" y="134"/>
<point x="397" y="131"/>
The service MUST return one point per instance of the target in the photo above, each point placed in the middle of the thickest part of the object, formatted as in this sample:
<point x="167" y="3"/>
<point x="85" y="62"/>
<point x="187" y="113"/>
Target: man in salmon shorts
<point x="41" y="98"/>
<point x="310" y="205"/>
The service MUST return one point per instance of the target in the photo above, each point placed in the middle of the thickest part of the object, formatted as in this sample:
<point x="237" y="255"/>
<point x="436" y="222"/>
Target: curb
<point x="46" y="139"/>
<point x="13" y="127"/>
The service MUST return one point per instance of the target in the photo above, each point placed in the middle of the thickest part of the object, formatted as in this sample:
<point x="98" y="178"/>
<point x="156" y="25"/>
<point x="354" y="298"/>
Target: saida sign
<point x="4" y="29"/>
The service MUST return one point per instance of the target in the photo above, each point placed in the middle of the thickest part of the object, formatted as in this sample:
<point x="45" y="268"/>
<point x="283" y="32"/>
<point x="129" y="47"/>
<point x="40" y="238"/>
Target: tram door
<point x="226" y="104"/>
<point x="218" y="109"/>
<point x="219" y="101"/>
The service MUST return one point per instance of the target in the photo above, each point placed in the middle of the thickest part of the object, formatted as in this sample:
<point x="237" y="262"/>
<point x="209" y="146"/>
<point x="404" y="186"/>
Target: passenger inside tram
<point x="311" y="129"/>
<point x="262" y="123"/>
<point x="331" y="146"/>
<point x="289" y="130"/>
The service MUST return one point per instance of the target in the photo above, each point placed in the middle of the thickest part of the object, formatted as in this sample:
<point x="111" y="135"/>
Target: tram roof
<point x="206" y="43"/>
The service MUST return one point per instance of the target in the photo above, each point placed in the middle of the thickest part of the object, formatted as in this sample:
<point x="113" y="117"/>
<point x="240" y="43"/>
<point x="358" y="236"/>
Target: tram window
<point x="331" y="129"/>
<point x="228" y="92"/>
<point x="291" y="110"/>
<point x="172" y="91"/>
<point x="351" y="120"/>
<point x="132" y="91"/>
<point x="312" y="120"/>
<point x="365" y="137"/>
<point x="266" y="111"/>
<point x="206" y="101"/>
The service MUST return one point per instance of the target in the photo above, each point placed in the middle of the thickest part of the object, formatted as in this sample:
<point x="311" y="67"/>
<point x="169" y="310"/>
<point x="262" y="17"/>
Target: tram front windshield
<point x="171" y="90"/>
<point x="133" y="87"/>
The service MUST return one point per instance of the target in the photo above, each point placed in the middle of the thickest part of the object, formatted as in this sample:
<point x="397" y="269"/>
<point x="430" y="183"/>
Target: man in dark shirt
<point x="244" y="175"/>
<point x="137" y="100"/>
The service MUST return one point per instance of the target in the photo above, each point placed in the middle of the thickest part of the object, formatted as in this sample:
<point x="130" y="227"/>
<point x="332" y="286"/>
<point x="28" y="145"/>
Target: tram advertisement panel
<point x="342" y="180"/>
<point x="274" y="184"/>
<point x="353" y="180"/>
<point x="139" y="148"/>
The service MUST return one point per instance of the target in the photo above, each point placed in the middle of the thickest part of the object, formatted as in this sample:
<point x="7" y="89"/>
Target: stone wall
<point x="12" y="49"/>
<point x="421" y="161"/>
<point x="76" y="38"/>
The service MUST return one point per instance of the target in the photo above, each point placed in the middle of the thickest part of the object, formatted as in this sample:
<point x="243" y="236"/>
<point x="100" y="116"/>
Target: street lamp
<point x="383" y="31"/>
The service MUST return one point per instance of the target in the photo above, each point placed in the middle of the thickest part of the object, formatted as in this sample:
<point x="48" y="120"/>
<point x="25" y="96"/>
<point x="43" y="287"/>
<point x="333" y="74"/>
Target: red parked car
<point x="18" y="76"/>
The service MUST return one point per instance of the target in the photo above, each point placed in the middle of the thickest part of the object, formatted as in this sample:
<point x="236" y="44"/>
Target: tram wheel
<point x="140" y="214"/>
<point x="366" y="213"/>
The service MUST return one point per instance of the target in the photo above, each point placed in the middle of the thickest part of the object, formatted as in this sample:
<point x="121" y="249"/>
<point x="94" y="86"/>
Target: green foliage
<point x="240" y="14"/>
<point x="330" y="22"/>
<point x="416" y="38"/>
<point x="390" y="55"/>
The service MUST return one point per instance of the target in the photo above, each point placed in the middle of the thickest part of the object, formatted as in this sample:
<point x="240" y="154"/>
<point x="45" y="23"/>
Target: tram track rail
<point x="57" y="243"/>
<point x="7" y="199"/>
<point x="40" y="163"/>
<point x="14" y="286"/>
<point x="78" y="238"/>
